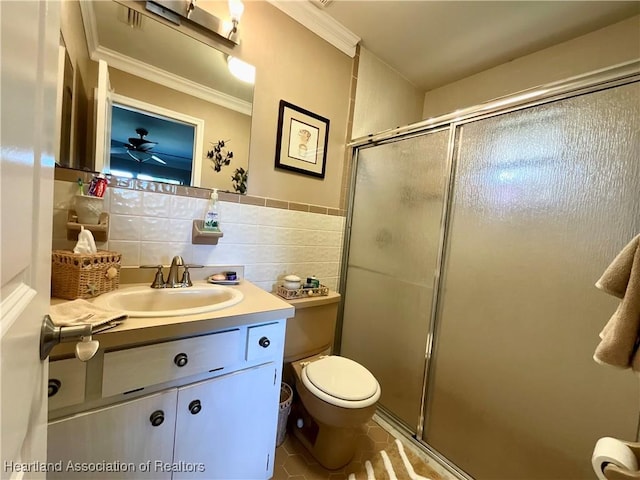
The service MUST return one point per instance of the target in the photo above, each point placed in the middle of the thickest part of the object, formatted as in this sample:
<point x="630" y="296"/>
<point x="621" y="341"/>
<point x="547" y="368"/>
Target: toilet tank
<point x="312" y="328"/>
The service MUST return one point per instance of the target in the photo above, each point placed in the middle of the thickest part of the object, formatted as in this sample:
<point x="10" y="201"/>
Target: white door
<point x="29" y="53"/>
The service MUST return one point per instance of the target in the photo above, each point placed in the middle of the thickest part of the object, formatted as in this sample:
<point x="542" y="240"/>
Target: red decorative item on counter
<point x="98" y="186"/>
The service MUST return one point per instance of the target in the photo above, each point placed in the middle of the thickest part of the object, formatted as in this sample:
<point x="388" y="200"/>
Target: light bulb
<point x="241" y="70"/>
<point x="236" y="8"/>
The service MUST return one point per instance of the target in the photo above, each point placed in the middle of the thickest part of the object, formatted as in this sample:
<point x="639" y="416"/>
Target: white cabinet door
<point x="228" y="424"/>
<point x="132" y="440"/>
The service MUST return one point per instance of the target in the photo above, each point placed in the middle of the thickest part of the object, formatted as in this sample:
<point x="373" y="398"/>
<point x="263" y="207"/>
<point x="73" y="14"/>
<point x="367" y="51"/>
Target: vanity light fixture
<point x="241" y="70"/>
<point x="236" y="9"/>
<point x="179" y="11"/>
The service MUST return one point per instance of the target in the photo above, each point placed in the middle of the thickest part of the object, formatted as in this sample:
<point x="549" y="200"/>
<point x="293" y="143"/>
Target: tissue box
<point x="80" y="275"/>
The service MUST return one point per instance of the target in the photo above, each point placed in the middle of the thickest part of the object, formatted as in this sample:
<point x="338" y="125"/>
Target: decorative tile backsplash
<point x="150" y="228"/>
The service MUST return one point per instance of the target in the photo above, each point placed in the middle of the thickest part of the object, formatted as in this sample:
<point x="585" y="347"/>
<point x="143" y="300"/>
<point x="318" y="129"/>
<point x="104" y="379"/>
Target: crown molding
<point x="170" y="80"/>
<point x="90" y="25"/>
<point x="320" y="23"/>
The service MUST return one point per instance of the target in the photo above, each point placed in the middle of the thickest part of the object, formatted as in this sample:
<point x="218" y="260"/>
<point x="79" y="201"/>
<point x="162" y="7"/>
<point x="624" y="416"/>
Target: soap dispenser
<point x="212" y="216"/>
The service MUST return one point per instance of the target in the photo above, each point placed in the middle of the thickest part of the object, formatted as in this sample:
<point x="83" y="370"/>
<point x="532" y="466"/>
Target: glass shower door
<point x="393" y="251"/>
<point x="544" y="199"/>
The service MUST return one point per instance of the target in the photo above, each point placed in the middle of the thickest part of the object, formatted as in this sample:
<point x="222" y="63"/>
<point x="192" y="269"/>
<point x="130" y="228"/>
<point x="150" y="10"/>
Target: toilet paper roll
<point x="611" y="450"/>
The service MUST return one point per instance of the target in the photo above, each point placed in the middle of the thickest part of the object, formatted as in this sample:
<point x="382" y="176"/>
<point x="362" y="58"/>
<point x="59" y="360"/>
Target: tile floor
<point x="293" y="462"/>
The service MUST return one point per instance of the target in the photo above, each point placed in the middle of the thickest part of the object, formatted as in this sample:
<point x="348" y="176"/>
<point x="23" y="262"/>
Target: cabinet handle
<point x="181" y="359"/>
<point x="195" y="407"/>
<point x="157" y="418"/>
<point x="54" y="386"/>
<point x="264" y="342"/>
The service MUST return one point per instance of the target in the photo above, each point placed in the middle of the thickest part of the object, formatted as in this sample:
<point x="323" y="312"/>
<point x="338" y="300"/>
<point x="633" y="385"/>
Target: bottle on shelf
<point x="212" y="215"/>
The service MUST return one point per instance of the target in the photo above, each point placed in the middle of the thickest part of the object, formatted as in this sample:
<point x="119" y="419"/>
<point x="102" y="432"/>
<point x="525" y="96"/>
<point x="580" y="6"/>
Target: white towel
<point x="621" y="335"/>
<point x="80" y="311"/>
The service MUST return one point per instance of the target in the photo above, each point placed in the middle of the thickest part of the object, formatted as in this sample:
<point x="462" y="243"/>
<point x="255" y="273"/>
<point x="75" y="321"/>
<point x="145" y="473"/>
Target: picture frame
<point x="302" y="140"/>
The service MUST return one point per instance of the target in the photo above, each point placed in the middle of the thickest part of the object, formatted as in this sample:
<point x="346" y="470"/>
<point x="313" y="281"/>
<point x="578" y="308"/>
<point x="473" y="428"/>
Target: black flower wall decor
<point x="220" y="155"/>
<point x="239" y="179"/>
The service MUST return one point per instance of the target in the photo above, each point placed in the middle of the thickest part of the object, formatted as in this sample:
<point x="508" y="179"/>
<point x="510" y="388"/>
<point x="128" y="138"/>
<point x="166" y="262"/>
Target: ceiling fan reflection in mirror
<point x="139" y="148"/>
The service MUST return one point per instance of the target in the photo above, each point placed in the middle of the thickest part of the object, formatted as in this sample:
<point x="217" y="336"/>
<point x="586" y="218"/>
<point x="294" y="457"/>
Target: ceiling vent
<point x="321" y="3"/>
<point x="131" y="17"/>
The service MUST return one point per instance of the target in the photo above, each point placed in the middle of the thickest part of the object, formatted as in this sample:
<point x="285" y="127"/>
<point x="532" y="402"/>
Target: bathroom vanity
<point x="173" y="397"/>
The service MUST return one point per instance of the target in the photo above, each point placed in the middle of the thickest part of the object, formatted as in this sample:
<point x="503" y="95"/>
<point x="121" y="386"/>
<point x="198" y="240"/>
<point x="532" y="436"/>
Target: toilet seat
<point x="341" y="382"/>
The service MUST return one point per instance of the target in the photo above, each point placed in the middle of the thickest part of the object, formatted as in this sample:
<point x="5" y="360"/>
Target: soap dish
<point x="223" y="282"/>
<point x="200" y="236"/>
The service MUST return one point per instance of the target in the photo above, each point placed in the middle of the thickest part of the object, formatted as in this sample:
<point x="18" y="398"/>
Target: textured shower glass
<point x="392" y="259"/>
<point x="544" y="199"/>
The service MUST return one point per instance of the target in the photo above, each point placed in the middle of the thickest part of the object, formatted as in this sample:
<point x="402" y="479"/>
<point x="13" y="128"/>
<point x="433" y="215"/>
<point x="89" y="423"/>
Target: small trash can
<point x="286" y="397"/>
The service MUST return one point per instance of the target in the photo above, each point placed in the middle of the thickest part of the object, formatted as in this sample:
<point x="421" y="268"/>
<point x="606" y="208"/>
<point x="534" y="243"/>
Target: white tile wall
<point x="124" y="227"/>
<point x="150" y="228"/>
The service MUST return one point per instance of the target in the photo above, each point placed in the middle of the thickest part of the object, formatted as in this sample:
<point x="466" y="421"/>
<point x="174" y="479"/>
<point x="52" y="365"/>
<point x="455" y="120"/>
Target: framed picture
<point x="302" y="140"/>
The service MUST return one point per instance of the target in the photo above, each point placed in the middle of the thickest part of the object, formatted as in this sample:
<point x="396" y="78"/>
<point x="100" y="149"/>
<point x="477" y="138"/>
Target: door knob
<point x="54" y="387"/>
<point x="264" y="342"/>
<point x="181" y="359"/>
<point x="157" y="418"/>
<point x="195" y="407"/>
<point x="51" y="335"/>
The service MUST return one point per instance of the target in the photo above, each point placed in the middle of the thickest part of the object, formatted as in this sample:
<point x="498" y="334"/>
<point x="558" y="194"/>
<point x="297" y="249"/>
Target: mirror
<point x="171" y="110"/>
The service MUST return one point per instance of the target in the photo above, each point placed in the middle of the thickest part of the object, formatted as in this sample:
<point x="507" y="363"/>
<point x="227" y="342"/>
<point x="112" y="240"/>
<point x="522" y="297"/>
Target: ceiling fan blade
<point x="138" y="156"/>
<point x="143" y="147"/>
<point x="158" y="159"/>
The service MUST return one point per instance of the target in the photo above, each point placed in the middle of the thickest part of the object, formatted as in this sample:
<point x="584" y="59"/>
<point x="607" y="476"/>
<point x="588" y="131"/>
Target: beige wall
<point x="384" y="98"/>
<point x="611" y="45"/>
<point x="72" y="31"/>
<point x="293" y="64"/>
<point x="219" y="123"/>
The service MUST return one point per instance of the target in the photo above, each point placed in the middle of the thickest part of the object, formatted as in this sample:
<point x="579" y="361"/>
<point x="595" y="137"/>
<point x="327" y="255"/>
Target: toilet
<point x="334" y="395"/>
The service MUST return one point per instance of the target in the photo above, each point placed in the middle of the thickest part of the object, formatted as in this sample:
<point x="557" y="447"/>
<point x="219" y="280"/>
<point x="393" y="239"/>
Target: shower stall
<point x="472" y="247"/>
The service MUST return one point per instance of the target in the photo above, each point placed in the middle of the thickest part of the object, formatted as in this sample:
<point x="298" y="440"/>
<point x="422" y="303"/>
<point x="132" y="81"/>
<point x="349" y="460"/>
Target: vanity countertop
<point x="258" y="306"/>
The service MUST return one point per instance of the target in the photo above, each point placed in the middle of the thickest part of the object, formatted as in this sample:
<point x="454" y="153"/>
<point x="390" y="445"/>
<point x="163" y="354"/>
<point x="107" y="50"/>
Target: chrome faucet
<point x="172" y="278"/>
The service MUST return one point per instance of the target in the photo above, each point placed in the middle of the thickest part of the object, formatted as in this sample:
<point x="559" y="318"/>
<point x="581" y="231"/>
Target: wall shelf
<point x="100" y="231"/>
<point x="200" y="236"/>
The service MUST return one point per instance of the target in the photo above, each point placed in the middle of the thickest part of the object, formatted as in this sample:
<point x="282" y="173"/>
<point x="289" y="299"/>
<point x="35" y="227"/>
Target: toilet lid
<point x="342" y="378"/>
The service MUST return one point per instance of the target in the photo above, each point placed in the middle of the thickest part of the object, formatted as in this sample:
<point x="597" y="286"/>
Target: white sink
<point x="144" y="301"/>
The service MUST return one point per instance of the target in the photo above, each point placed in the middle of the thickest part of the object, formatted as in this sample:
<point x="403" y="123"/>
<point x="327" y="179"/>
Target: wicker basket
<point x="79" y="275"/>
<point x="302" y="292"/>
<point x="286" y="397"/>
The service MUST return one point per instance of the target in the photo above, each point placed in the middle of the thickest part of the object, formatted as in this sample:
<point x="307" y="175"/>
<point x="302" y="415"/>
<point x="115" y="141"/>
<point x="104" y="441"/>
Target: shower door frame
<point x="617" y="75"/>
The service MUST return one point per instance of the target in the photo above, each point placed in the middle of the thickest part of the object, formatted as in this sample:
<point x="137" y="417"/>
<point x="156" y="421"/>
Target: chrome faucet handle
<point x="186" y="278"/>
<point x="158" y="281"/>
